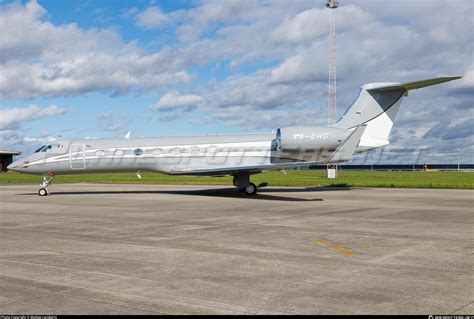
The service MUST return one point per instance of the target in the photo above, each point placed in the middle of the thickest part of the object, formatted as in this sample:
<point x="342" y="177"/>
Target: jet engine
<point x="310" y="138"/>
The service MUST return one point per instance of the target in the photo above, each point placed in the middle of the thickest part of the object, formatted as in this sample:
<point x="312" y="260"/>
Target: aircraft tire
<point x="250" y="189"/>
<point x="43" y="192"/>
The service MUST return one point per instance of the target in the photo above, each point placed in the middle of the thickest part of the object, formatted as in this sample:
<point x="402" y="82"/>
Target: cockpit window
<point x="47" y="149"/>
<point x="39" y="149"/>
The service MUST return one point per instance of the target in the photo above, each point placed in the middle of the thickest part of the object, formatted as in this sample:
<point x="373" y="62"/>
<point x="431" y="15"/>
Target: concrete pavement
<point x="169" y="249"/>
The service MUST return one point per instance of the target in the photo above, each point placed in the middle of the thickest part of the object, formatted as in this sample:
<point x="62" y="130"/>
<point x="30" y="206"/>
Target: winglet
<point x="345" y="151"/>
<point x="128" y="134"/>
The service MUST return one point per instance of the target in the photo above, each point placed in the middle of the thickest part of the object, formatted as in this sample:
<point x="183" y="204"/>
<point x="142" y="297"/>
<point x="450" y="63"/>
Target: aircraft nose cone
<point x="15" y="166"/>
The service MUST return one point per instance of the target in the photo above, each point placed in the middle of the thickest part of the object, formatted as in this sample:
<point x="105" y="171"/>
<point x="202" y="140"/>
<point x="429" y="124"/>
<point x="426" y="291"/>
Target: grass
<point x="391" y="179"/>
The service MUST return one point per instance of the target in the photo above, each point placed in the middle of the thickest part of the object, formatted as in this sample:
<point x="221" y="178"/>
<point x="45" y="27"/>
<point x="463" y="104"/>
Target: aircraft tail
<point x="377" y="106"/>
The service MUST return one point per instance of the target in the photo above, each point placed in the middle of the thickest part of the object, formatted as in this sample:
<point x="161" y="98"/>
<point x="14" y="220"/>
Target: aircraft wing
<point x="232" y="170"/>
<point x="416" y="85"/>
<point x="345" y="151"/>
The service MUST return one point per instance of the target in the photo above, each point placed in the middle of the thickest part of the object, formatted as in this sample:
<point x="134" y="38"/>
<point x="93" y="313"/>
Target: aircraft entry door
<point x="77" y="156"/>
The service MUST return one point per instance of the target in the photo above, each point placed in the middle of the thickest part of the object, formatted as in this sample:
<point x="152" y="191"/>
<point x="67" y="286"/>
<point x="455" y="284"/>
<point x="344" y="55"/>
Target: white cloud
<point x="13" y="117"/>
<point x="113" y="121"/>
<point x="305" y="25"/>
<point x="174" y="100"/>
<point x="467" y="82"/>
<point x="202" y="18"/>
<point x="152" y="18"/>
<point x="302" y="67"/>
<point x="38" y="58"/>
<point x="256" y="92"/>
<point x="461" y="128"/>
<point x="314" y="23"/>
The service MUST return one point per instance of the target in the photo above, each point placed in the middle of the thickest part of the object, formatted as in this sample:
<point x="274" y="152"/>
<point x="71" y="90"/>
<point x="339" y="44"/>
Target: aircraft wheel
<point x="43" y="192"/>
<point x="251" y="189"/>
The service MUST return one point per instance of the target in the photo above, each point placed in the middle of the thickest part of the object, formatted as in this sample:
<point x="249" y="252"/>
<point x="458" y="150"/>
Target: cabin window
<point x="100" y="153"/>
<point x="138" y="152"/>
<point x="118" y="152"/>
<point x="157" y="151"/>
<point x="175" y="150"/>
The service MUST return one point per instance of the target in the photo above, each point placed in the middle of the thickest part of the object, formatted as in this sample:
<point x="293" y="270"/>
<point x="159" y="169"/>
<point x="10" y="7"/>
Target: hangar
<point x="6" y="158"/>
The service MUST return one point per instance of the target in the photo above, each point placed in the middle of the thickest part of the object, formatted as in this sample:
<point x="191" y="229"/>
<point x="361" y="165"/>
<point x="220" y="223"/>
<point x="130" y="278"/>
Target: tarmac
<point x="169" y="249"/>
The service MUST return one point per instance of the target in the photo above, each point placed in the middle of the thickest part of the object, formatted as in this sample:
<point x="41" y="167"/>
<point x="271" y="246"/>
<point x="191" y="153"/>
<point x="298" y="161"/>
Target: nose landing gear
<point x="47" y="180"/>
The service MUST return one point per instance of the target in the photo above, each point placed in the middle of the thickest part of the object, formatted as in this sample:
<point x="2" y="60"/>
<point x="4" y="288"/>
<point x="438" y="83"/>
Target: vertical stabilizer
<point x="377" y="106"/>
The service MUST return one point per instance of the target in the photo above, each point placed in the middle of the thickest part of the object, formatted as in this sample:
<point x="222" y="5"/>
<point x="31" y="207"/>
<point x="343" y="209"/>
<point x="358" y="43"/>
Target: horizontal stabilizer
<point x="415" y="85"/>
<point x="345" y="151"/>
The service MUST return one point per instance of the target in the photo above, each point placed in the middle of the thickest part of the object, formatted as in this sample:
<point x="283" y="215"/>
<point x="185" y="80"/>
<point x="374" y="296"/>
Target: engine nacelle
<point x="310" y="138"/>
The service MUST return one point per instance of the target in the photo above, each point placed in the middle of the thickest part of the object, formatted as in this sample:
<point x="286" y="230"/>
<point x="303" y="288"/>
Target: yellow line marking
<point x="337" y="247"/>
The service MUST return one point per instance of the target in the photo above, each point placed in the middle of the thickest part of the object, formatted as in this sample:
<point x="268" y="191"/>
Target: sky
<point x="90" y="69"/>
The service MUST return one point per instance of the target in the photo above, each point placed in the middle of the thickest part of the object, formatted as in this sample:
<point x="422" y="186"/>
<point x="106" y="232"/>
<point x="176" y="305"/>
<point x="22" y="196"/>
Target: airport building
<point x="6" y="158"/>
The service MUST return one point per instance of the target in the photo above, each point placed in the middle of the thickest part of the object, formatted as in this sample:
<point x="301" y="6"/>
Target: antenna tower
<point x="332" y="5"/>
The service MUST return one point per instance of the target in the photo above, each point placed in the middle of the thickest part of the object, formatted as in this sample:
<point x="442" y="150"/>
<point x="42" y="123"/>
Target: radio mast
<point x="332" y="5"/>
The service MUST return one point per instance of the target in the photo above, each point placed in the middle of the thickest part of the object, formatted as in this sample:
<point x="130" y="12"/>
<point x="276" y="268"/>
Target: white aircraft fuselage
<point x="197" y="155"/>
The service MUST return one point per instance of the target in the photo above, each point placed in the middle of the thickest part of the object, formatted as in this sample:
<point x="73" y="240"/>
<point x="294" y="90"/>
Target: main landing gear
<point x="47" y="179"/>
<point x="242" y="182"/>
<point x="250" y="189"/>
